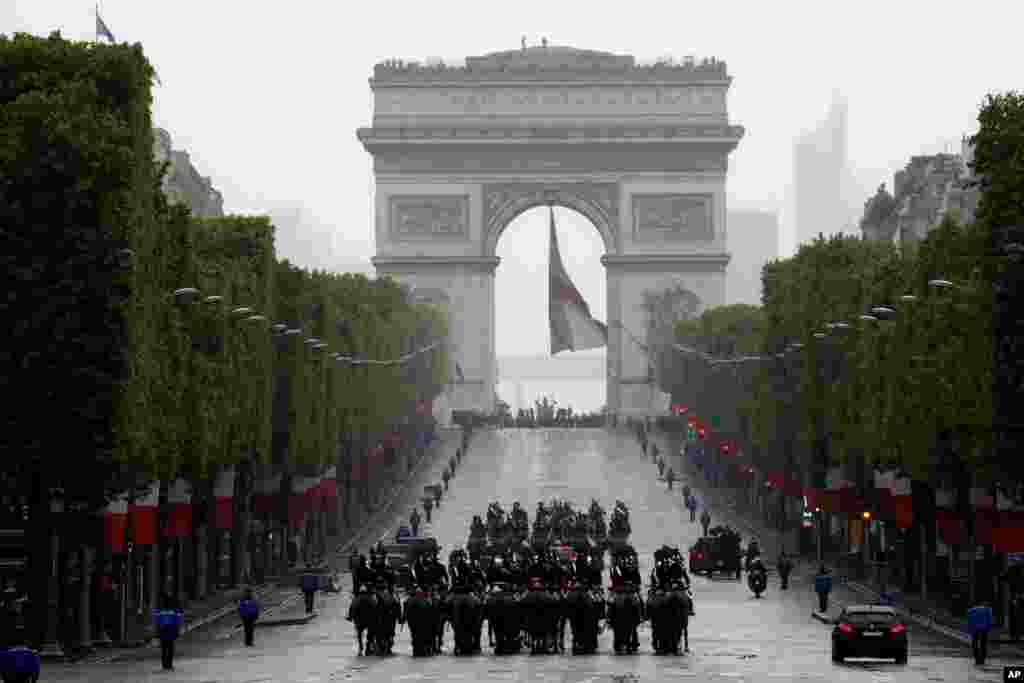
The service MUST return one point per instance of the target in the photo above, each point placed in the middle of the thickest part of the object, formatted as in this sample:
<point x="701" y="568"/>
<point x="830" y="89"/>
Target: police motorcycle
<point x="757" y="576"/>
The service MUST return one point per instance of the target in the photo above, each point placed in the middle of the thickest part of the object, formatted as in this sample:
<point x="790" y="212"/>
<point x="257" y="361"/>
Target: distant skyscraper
<point x="826" y="196"/>
<point x="753" y="240"/>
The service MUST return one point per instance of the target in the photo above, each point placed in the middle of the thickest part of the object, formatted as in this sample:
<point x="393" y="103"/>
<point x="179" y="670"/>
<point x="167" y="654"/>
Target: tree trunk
<point x="40" y="562"/>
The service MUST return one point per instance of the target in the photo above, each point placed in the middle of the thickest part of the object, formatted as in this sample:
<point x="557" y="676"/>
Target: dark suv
<point x="712" y="554"/>
<point x="869" y="631"/>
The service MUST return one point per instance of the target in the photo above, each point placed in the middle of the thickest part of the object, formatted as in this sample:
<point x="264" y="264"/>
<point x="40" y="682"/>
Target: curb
<point x="290" y="621"/>
<point x="823" y="618"/>
<point x="385" y="508"/>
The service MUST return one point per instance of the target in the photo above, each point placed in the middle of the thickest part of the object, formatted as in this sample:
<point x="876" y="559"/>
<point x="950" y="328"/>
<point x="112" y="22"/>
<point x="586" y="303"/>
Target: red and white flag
<point x="223" y="498"/>
<point x="179" y="518"/>
<point x="572" y="326"/>
<point x="144" y="514"/>
<point x="115" y="522"/>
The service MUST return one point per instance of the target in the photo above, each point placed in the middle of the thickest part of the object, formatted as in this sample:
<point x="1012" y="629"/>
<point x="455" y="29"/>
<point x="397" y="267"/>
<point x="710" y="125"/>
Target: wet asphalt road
<point x="733" y="637"/>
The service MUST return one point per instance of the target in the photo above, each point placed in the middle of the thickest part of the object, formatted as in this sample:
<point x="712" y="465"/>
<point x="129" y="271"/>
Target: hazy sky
<point x="266" y="96"/>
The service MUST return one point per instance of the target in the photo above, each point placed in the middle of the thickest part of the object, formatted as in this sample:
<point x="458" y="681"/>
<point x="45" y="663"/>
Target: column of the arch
<point x="614" y="354"/>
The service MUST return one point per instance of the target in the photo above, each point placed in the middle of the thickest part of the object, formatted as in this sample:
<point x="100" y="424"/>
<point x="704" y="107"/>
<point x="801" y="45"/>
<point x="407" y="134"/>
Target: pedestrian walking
<point x="451" y="465"/>
<point x="310" y="585"/>
<point x="670" y="478"/>
<point x="458" y="455"/>
<point x="654" y="451"/>
<point x="643" y="447"/>
<point x="979" y="621"/>
<point x="691" y="504"/>
<point x="823" y="586"/>
<point x="414" y="522"/>
<point x="661" y="467"/>
<point x="785" y="567"/>
<point x="428" y="505"/>
<point x="445" y="476"/>
<point x="249" y="611"/>
<point x="686" y="492"/>
<point x="168" y="619"/>
<point x="705" y="520"/>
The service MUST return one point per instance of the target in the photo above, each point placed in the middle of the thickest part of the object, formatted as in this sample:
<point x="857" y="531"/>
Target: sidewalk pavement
<point x="282" y="594"/>
<point x="845" y="592"/>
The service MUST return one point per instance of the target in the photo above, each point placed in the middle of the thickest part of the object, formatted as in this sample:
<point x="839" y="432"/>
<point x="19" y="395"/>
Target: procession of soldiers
<point x="529" y="586"/>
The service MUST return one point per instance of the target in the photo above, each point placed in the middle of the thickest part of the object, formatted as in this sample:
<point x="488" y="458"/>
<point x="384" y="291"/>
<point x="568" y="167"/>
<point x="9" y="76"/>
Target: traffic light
<point x="690" y="435"/>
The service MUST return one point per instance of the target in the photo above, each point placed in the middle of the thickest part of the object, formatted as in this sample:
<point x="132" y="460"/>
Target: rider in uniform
<point x="364" y="579"/>
<point x="498" y="572"/>
<point x="382" y="572"/>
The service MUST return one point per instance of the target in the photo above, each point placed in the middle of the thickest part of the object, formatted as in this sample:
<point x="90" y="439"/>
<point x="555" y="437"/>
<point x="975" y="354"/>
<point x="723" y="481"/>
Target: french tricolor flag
<point x="144" y="514"/>
<point x="223" y="498"/>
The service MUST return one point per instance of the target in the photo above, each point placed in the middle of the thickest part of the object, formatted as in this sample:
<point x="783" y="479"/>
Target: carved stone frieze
<point x="599" y="202"/>
<point x="428" y="217"/>
<point x="673" y="217"/>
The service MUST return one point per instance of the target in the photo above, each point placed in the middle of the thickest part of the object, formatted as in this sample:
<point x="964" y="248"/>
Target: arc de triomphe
<point x="642" y="151"/>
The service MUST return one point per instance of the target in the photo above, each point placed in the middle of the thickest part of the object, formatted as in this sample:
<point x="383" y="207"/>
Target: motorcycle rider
<point x="753" y="550"/>
<point x="757" y="568"/>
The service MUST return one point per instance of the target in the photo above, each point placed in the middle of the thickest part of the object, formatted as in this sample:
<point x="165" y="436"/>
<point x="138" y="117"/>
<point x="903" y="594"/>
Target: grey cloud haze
<point x="266" y="97"/>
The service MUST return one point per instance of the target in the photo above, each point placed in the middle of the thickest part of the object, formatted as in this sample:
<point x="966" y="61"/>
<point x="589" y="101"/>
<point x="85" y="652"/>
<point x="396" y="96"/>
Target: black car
<point x="869" y="631"/>
<point x="712" y="554"/>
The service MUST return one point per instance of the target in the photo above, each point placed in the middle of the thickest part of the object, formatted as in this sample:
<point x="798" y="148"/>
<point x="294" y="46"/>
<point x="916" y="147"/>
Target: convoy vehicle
<point x="869" y="631"/>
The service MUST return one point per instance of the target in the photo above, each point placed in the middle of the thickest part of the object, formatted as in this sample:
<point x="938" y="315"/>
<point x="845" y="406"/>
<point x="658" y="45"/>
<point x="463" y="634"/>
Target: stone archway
<point x="641" y="151"/>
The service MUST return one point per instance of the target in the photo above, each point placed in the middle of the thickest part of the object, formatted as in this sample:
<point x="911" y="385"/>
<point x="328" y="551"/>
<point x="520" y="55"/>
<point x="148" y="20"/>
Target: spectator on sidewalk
<point x="979" y="621"/>
<point x="445" y="477"/>
<point x="785" y="567"/>
<point x="670" y="478"/>
<point x="249" y="611"/>
<point x="823" y="586"/>
<point x="414" y="522"/>
<point x="705" y="520"/>
<point x="691" y="504"/>
<point x="310" y="585"/>
<point x="428" y="505"/>
<point x="169" y="618"/>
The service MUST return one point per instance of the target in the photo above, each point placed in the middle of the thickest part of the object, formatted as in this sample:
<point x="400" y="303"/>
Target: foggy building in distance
<point x="826" y="196"/>
<point x="927" y="188"/>
<point x="182" y="183"/>
<point x="752" y="238"/>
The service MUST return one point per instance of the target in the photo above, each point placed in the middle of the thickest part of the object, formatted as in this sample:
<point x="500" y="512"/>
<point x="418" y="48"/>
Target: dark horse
<point x="540" y="614"/>
<point x="584" y="613"/>
<point x="503" y="620"/>
<point x="625" y="614"/>
<point x="389" y="611"/>
<point x="421" y="614"/>
<point x="366" y="617"/>
<point x="467" y="619"/>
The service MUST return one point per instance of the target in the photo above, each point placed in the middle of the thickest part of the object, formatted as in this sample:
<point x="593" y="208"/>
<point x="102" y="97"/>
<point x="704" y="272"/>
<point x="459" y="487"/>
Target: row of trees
<point x="866" y="355"/>
<point x="146" y="345"/>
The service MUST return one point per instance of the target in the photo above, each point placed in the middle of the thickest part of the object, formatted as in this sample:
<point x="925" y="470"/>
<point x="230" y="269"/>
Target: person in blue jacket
<point x="169" y="618"/>
<point x="249" y="611"/>
<point x="310" y="585"/>
<point x="823" y="586"/>
<point x="979" y="620"/>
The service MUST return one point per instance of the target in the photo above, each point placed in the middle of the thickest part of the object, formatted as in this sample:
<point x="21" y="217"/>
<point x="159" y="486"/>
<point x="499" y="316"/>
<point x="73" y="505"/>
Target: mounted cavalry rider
<point x="498" y="572"/>
<point x="381" y="571"/>
<point x="477" y="528"/>
<point x="518" y="514"/>
<point x="364" y="579"/>
<point x="624" y="571"/>
<point x="542" y="513"/>
<point x="460" y="570"/>
<point x="428" y="571"/>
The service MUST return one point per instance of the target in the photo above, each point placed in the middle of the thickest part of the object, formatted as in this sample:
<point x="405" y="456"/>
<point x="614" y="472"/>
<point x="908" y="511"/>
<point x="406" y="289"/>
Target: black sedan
<point x="869" y="631"/>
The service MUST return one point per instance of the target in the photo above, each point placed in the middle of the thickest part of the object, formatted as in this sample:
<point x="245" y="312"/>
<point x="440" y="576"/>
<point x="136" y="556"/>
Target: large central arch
<point x="641" y="151"/>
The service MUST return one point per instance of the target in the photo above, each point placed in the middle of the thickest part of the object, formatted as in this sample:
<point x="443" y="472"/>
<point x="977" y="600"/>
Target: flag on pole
<point x="572" y="326"/>
<point x="102" y="30"/>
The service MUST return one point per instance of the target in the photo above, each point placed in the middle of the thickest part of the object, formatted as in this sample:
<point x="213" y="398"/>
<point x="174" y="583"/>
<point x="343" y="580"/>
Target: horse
<point x="504" y="621"/>
<point x="366" y="617"/>
<point x="584" y="615"/>
<point x="466" y="622"/>
<point x="625" y="615"/>
<point x="389" y="612"/>
<point x="421" y="613"/>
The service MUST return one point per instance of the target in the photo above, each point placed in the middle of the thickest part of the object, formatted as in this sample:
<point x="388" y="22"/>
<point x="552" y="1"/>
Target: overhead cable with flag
<point x="102" y="30"/>
<point x="572" y="326"/>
